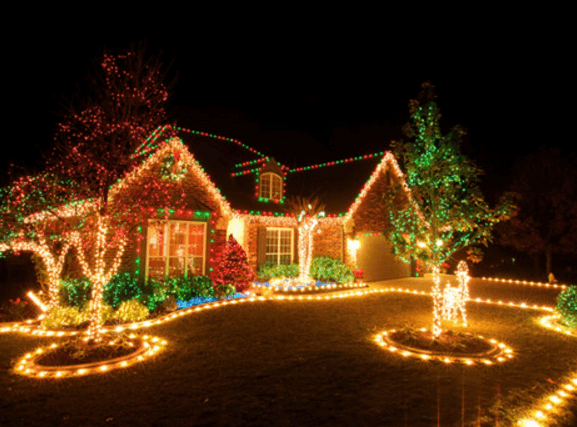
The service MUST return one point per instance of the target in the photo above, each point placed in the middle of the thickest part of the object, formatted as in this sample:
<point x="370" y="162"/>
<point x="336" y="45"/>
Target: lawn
<point x="301" y="363"/>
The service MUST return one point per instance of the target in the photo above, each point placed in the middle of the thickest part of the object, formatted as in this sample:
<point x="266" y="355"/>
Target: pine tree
<point x="234" y="269"/>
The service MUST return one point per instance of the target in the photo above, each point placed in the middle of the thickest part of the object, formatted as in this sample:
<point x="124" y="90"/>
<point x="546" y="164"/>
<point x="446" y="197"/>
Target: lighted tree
<point x="307" y="212"/>
<point x="98" y="147"/>
<point x="448" y="211"/>
<point x="234" y="269"/>
<point x="546" y="221"/>
<point x="20" y="231"/>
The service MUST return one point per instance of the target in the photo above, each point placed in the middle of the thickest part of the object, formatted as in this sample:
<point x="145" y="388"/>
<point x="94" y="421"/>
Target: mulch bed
<point x="449" y="342"/>
<point x="77" y="352"/>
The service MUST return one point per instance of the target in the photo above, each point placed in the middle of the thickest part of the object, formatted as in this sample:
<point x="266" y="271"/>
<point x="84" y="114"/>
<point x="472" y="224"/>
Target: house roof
<point x="233" y="167"/>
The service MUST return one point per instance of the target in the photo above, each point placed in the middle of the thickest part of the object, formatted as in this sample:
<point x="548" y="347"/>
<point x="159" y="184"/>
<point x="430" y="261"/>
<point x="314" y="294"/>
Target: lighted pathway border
<point x="541" y="412"/>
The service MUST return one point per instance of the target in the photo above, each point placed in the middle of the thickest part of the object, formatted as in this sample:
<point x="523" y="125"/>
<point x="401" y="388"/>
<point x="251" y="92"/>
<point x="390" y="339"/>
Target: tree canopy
<point x="546" y="220"/>
<point x="447" y="210"/>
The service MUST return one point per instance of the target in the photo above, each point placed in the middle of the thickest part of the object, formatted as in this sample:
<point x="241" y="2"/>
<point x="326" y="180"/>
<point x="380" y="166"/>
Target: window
<point x="279" y="245"/>
<point x="175" y="248"/>
<point x="270" y="186"/>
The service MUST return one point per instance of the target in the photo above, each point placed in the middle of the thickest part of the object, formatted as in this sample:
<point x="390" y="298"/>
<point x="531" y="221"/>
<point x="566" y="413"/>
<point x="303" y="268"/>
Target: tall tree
<point x="546" y="221"/>
<point x="447" y="211"/>
<point x="98" y="146"/>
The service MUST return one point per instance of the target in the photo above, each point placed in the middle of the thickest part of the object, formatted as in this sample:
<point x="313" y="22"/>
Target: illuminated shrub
<point x="223" y="291"/>
<point x="123" y="287"/>
<point x="131" y="311"/>
<point x="326" y="269"/>
<point x="269" y="271"/>
<point x="59" y="317"/>
<point x="75" y="292"/>
<point x="567" y="306"/>
<point x="126" y="287"/>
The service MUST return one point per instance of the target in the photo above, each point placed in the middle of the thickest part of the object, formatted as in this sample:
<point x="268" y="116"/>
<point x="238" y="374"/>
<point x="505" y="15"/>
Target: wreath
<point x="173" y="167"/>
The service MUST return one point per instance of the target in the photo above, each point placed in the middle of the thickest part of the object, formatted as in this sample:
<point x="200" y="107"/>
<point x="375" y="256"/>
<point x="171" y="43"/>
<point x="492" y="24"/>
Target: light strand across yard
<point x="523" y="282"/>
<point x="541" y="414"/>
<point x="31" y="328"/>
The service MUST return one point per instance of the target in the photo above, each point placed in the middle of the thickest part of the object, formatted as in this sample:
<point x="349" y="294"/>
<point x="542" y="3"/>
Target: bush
<point x="58" y="317"/>
<point x="567" y="306"/>
<point x="326" y="269"/>
<point x="126" y="287"/>
<point x="123" y="287"/>
<point x="269" y="271"/>
<point x="75" y="292"/>
<point x="131" y="311"/>
<point x="223" y="291"/>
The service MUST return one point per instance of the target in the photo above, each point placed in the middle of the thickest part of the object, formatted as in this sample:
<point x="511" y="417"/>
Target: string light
<point x="149" y="346"/>
<point x="524" y="282"/>
<point x="499" y="352"/>
<point x="449" y="303"/>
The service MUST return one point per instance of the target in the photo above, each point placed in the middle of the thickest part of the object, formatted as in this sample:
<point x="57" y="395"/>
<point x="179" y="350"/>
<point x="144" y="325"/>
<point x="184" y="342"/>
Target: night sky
<point x="317" y="94"/>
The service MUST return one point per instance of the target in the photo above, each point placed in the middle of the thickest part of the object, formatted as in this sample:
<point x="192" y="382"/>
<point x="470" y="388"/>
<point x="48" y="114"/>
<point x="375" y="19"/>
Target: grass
<point x="280" y="363"/>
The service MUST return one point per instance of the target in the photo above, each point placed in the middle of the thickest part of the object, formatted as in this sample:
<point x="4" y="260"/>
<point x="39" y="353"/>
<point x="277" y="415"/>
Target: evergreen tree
<point x="447" y="211"/>
<point x="234" y="269"/>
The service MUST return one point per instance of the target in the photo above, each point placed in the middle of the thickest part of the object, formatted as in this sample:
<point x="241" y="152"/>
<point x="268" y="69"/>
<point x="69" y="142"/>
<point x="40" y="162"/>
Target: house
<point x="232" y="188"/>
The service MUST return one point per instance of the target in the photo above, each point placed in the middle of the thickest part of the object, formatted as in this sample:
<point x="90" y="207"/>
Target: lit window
<point x="175" y="248"/>
<point x="279" y="245"/>
<point x="270" y="186"/>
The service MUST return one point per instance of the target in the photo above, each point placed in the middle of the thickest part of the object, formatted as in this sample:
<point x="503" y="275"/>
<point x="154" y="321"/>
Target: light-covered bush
<point x="59" y="317"/>
<point x="567" y="306"/>
<point x="327" y="269"/>
<point x="131" y="311"/>
<point x="269" y="271"/>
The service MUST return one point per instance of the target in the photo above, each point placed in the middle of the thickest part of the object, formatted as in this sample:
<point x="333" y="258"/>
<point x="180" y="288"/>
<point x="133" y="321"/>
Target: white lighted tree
<point x="307" y="213"/>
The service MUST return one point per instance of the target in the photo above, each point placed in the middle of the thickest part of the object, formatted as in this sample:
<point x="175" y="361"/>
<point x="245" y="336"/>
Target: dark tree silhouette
<point x="546" y="220"/>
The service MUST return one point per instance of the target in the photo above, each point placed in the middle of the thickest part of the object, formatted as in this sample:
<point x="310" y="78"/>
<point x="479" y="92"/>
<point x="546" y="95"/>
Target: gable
<point x="369" y="212"/>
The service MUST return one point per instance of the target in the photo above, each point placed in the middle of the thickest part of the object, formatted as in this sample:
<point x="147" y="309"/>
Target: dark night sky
<point x="318" y="93"/>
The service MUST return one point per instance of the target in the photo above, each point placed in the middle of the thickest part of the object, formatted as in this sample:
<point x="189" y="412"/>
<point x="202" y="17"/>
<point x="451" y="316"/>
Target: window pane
<point x="183" y="245"/>
<point x="156" y="240"/>
<point x="276" y="187"/>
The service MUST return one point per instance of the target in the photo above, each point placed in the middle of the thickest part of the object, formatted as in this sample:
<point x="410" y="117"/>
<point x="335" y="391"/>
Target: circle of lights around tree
<point x="491" y="351"/>
<point x="40" y="363"/>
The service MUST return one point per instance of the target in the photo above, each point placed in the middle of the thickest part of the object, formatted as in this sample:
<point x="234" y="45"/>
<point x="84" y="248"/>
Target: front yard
<point x="287" y="362"/>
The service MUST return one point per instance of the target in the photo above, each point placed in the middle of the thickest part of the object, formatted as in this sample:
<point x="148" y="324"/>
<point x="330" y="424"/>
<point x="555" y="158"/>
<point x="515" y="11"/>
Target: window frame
<point x="278" y="253"/>
<point x="269" y="177"/>
<point x="166" y="246"/>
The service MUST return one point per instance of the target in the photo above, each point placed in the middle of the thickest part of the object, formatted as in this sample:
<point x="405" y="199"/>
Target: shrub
<point x="269" y="271"/>
<point x="75" y="292"/>
<point x="58" y="317"/>
<point x="123" y="287"/>
<point x="131" y="311"/>
<point x="567" y="306"/>
<point x="126" y="287"/>
<point x="327" y="269"/>
<point x="223" y="291"/>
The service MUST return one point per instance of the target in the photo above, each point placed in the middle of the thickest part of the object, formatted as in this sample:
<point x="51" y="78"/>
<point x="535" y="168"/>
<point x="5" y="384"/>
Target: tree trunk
<point x="548" y="259"/>
<point x="536" y="266"/>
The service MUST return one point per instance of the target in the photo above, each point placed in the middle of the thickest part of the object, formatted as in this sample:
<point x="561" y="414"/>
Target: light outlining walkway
<point x="542" y="412"/>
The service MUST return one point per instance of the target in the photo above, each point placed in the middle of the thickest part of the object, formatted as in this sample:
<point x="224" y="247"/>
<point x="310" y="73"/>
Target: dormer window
<point x="270" y="186"/>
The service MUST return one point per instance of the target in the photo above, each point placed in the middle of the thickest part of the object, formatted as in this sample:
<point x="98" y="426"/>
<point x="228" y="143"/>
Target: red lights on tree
<point x="234" y="268"/>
